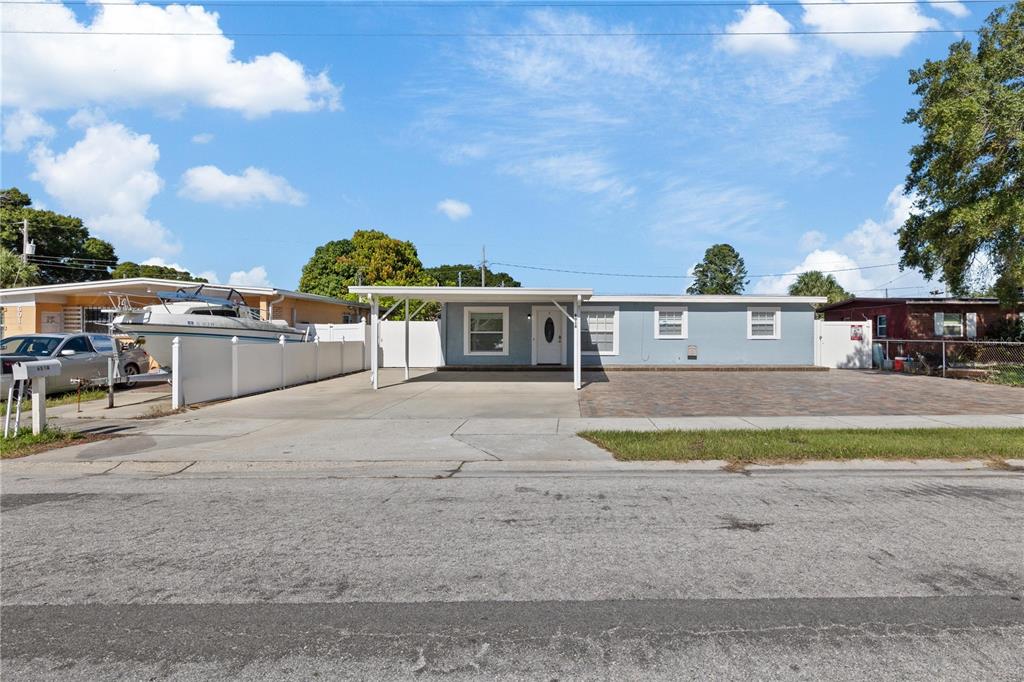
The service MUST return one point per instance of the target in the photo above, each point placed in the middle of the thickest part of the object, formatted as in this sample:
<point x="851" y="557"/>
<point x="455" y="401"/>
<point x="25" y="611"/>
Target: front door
<point x="547" y="335"/>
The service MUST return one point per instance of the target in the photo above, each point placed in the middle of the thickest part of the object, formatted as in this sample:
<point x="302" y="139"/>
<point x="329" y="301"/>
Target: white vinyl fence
<point x="843" y="345"/>
<point x="213" y="369"/>
<point x="425" y="349"/>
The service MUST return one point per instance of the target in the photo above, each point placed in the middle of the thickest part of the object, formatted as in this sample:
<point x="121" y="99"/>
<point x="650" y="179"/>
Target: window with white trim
<point x="882" y="325"/>
<point x="764" y="323"/>
<point x="486" y="331"/>
<point x="952" y="324"/>
<point x="599" y="331"/>
<point x="670" y="323"/>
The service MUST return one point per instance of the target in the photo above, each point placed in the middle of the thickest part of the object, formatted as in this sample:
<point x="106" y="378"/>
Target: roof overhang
<point x="474" y="294"/>
<point x="682" y="299"/>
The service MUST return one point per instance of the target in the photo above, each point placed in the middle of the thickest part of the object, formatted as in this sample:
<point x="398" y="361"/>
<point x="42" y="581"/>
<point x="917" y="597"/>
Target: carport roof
<point x="474" y="294"/>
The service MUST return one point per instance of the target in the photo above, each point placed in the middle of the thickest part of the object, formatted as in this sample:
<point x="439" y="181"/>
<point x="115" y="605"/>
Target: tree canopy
<point x="127" y="269"/>
<point x="448" y="276"/>
<point x="65" y="251"/>
<point x="816" y="283"/>
<point x="967" y="173"/>
<point x="16" y="273"/>
<point x="721" y="272"/>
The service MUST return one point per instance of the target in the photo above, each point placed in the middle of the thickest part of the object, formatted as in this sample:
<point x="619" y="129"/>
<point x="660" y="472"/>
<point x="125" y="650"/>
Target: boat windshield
<point x="39" y="346"/>
<point x="216" y="312"/>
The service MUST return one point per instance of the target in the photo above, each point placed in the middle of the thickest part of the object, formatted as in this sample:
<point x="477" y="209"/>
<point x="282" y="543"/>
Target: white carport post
<point x="406" y="339"/>
<point x="374" y="332"/>
<point x="577" y="355"/>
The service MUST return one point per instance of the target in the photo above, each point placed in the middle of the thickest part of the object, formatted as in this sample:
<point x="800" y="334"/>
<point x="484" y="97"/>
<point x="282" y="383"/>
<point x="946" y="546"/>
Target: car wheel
<point x="129" y="372"/>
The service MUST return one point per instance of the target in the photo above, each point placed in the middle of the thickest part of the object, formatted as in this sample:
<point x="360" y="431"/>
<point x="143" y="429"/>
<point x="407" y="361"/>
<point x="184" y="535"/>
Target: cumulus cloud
<point x="869" y="245"/>
<point x="202" y="138"/>
<point x="853" y="16"/>
<point x="811" y="240"/>
<point x="759" y="19"/>
<point x="455" y="210"/>
<point x="21" y="126"/>
<point x="958" y="10"/>
<point x="254" y="185"/>
<point x="109" y="178"/>
<point x="255" y="277"/>
<point x="57" y="71"/>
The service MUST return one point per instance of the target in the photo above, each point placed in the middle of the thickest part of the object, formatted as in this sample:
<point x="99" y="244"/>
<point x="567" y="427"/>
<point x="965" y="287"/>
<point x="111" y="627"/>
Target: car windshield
<point x="41" y="346"/>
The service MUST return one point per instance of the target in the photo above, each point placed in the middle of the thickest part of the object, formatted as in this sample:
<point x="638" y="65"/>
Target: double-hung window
<point x="670" y="323"/>
<point x="599" y="333"/>
<point x="486" y="331"/>
<point x="949" y="324"/>
<point x="882" y="326"/>
<point x="764" y="323"/>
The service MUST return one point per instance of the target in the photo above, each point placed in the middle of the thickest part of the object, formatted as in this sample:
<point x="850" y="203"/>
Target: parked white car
<point x="83" y="357"/>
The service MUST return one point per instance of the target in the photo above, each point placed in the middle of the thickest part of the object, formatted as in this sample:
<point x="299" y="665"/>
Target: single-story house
<point x="924" y="318"/>
<point x="525" y="327"/>
<point x="87" y="306"/>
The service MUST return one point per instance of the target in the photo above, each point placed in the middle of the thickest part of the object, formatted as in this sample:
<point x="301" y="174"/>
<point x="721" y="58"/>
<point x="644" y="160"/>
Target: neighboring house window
<point x="95" y="320"/>
<point x="670" y="323"/>
<point x="882" y="325"/>
<point x="486" y="331"/>
<point x="346" y="319"/>
<point x="599" y="333"/>
<point x="764" y="323"/>
<point x="949" y="324"/>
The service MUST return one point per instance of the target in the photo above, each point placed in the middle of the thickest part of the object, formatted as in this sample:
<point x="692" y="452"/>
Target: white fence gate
<point x="425" y="348"/>
<point x="843" y="345"/>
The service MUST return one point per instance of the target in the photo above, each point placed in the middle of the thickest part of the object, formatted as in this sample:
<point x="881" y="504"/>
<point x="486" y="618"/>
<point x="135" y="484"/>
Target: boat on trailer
<point x="193" y="314"/>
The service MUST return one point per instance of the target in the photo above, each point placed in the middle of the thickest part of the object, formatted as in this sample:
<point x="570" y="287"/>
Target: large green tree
<point x="14" y="272"/>
<point x="967" y="173"/>
<point x="816" y="283"/>
<point x="65" y="251"/>
<point x="721" y="272"/>
<point x="126" y="269"/>
<point x="448" y="276"/>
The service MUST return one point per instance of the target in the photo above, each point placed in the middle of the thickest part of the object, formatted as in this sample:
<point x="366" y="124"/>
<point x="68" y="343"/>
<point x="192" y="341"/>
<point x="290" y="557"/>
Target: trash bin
<point x="897" y="364"/>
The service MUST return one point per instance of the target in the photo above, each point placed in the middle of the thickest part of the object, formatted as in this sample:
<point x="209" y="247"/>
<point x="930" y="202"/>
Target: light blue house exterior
<point x="523" y="328"/>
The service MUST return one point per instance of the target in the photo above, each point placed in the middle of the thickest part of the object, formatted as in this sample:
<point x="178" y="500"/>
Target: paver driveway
<point x="837" y="392"/>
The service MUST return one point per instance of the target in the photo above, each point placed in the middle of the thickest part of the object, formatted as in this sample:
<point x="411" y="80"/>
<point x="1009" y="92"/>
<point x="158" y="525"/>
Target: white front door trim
<point x="535" y="313"/>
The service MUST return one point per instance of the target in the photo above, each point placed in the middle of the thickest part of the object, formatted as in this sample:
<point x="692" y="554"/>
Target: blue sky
<point x="237" y="156"/>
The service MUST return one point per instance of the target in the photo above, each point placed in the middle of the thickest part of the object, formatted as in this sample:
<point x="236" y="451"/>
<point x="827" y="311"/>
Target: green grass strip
<point x="782" y="445"/>
<point x="26" y="443"/>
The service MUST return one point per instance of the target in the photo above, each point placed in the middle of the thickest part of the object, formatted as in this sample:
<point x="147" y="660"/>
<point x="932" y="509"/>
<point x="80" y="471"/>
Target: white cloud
<point x="58" y="71"/>
<point x="254" y="185"/>
<point x="22" y="126"/>
<point x="588" y="173"/>
<point x="255" y="277"/>
<point x="759" y="19"/>
<point x="688" y="211"/>
<point x="850" y="15"/>
<point x="202" y="138"/>
<point x="957" y="9"/>
<point x="871" y="244"/>
<point x="108" y="177"/>
<point x="455" y="210"/>
<point x="811" y="240"/>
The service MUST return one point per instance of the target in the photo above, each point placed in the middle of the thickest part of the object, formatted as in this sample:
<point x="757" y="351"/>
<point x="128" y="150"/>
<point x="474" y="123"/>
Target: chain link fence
<point x="1000" y="362"/>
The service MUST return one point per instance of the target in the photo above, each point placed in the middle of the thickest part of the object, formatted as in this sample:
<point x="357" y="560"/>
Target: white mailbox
<point x="36" y="368"/>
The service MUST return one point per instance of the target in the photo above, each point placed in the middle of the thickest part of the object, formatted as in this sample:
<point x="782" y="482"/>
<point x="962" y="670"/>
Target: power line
<point x="527" y="34"/>
<point x="650" y="276"/>
<point x="73" y="258"/>
<point x="502" y="4"/>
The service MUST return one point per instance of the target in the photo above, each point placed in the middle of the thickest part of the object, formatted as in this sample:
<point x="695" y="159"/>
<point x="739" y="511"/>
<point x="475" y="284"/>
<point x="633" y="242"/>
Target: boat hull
<point x="157" y="338"/>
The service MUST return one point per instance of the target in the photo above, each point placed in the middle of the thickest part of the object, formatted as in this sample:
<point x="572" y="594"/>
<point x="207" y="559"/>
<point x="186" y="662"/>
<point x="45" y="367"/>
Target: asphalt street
<point x="299" y="575"/>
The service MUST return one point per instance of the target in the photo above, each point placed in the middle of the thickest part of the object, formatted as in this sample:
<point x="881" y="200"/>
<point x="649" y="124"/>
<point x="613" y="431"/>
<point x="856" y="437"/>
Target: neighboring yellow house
<point x="86" y="306"/>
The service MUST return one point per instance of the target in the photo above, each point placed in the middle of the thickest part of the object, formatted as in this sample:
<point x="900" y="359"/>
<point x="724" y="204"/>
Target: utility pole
<point x="27" y="248"/>
<point x="483" y="266"/>
<point x="460" y="278"/>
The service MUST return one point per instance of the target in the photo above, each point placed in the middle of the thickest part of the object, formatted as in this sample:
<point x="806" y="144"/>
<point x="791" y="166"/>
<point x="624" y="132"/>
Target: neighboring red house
<point x="924" y="318"/>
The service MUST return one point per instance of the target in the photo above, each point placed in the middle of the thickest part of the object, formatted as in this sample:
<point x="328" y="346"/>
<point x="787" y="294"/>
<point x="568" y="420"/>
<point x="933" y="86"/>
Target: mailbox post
<point x="37" y="371"/>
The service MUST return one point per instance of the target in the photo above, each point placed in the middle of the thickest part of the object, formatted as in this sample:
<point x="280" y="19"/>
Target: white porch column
<point x="406" y="339"/>
<point x="577" y="355"/>
<point x="374" y="336"/>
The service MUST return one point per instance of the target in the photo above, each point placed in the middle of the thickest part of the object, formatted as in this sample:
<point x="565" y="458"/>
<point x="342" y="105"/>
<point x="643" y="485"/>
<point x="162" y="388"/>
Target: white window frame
<point x="615" y="328"/>
<point x="467" y="311"/>
<point x="962" y="323"/>
<point x="685" y="331"/>
<point x="750" y="323"/>
<point x="879" y="326"/>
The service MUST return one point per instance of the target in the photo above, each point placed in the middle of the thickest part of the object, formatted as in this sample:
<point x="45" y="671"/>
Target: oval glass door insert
<point x="549" y="330"/>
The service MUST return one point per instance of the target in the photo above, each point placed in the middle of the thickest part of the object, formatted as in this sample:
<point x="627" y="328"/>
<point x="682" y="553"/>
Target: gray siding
<point x="719" y="330"/>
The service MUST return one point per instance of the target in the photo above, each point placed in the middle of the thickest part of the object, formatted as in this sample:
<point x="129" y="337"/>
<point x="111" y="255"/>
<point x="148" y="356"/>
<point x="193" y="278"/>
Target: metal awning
<point x="474" y="294"/>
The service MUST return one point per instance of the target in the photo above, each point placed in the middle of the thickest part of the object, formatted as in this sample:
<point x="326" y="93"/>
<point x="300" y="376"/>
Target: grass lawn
<point x="56" y="399"/>
<point x="25" y="443"/>
<point x="787" y="445"/>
